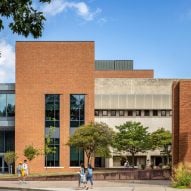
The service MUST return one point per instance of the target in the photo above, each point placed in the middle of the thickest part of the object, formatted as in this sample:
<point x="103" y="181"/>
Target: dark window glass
<point x="52" y="119"/>
<point x="76" y="156"/>
<point x="77" y="112"/>
<point x="52" y="110"/>
<point x="146" y="113"/>
<point x="53" y="158"/>
<point x="113" y="113"/>
<point x="163" y="113"/>
<point x="7" y="105"/>
<point x="155" y="112"/>
<point x="7" y="141"/>
<point x="96" y="112"/>
<point x="130" y="113"/>
<point x="10" y="105"/>
<point x="138" y="112"/>
<point x="105" y="113"/>
<point x="121" y="113"/>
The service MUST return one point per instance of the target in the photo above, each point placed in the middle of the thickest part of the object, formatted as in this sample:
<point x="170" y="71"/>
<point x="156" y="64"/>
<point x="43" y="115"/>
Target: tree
<point x="94" y="138"/>
<point x="24" y="19"/>
<point x="162" y="139"/>
<point x="30" y="152"/>
<point x="48" y="149"/>
<point x="132" y="137"/>
<point x="10" y="157"/>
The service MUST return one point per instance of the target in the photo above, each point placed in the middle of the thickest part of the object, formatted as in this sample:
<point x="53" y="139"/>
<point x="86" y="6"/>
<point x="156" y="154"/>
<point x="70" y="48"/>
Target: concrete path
<point x="98" y="186"/>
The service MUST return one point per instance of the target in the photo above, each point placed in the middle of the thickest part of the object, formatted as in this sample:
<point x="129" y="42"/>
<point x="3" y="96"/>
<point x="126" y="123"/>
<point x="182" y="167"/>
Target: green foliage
<point x="132" y="137"/>
<point x="181" y="177"/>
<point x="161" y="138"/>
<point x="30" y="152"/>
<point x="10" y="157"/>
<point x="94" y="138"/>
<point x="48" y="149"/>
<point x="25" y="19"/>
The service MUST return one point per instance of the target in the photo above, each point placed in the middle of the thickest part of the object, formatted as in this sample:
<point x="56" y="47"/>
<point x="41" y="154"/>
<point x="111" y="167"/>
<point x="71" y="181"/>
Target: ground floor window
<point x="76" y="156"/>
<point x="53" y="159"/>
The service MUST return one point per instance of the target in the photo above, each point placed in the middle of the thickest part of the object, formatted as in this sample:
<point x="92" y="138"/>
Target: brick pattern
<point x="182" y="122"/>
<point x="50" y="68"/>
<point x="125" y="74"/>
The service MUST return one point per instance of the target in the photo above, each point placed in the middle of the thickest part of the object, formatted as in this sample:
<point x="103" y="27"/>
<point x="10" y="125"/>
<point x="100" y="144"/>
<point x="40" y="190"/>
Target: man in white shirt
<point x="25" y="169"/>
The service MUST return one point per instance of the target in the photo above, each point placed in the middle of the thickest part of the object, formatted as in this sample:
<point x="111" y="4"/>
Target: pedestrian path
<point x="98" y="186"/>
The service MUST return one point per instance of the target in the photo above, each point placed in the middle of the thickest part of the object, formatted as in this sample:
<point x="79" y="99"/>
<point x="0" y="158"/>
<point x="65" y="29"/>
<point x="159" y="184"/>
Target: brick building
<point x="61" y="84"/>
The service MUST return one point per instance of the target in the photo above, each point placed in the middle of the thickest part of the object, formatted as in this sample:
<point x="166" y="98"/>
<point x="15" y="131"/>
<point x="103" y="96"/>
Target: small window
<point x="121" y="113"/>
<point x="138" y="112"/>
<point x="113" y="113"/>
<point x="130" y="113"/>
<point x="146" y="113"/>
<point x="96" y="112"/>
<point x="170" y="113"/>
<point x="155" y="112"/>
<point x="167" y="113"/>
<point x="163" y="113"/>
<point x="105" y="113"/>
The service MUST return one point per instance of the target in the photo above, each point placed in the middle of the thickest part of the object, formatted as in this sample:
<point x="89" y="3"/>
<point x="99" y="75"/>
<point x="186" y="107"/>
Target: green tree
<point x="162" y="139"/>
<point x="23" y="17"/>
<point x="48" y="149"/>
<point x="94" y="138"/>
<point x="30" y="152"/>
<point x="132" y="137"/>
<point x="10" y="157"/>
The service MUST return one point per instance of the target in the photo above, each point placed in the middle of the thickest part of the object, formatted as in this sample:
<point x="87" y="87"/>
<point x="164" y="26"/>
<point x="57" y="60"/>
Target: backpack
<point x="90" y="171"/>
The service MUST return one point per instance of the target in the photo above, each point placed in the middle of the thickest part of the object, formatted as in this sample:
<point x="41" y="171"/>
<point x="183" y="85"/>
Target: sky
<point x="156" y="34"/>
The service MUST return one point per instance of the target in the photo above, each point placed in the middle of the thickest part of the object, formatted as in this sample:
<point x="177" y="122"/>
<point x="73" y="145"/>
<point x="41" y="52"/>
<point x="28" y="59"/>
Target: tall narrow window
<point x="76" y="156"/>
<point x="77" y="110"/>
<point x="52" y="119"/>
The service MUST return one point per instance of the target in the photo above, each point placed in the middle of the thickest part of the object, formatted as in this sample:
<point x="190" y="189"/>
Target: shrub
<point x="181" y="177"/>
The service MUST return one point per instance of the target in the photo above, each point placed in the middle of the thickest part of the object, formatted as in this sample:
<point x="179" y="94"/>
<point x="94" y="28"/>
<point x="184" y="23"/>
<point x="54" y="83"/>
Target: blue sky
<point x="156" y="34"/>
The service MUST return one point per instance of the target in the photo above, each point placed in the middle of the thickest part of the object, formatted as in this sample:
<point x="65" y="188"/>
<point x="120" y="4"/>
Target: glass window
<point x="3" y="105"/>
<point x="76" y="156"/>
<point x="146" y="113"/>
<point x="96" y="112"/>
<point x="130" y="113"/>
<point x="138" y="112"/>
<point x="10" y="105"/>
<point x="104" y="113"/>
<point x="53" y="158"/>
<point x="155" y="112"/>
<point x="52" y="110"/>
<point x="113" y="113"/>
<point x="163" y="113"/>
<point x="77" y="110"/>
<point x="121" y="113"/>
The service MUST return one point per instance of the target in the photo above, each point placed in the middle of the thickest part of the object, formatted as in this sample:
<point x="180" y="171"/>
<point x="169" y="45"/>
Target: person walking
<point x="25" y="170"/>
<point x="19" y="171"/>
<point x="82" y="178"/>
<point x="89" y="175"/>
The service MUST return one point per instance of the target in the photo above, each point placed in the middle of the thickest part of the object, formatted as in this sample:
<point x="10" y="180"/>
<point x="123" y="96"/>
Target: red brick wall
<point x="50" y="68"/>
<point x="125" y="74"/>
<point x="182" y="122"/>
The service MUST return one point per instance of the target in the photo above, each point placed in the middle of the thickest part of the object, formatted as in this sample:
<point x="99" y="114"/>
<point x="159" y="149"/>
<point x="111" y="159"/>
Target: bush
<point x="181" y="177"/>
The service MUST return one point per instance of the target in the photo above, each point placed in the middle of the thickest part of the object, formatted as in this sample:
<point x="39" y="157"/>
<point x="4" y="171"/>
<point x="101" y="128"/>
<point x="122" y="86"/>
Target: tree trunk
<point x="133" y="159"/>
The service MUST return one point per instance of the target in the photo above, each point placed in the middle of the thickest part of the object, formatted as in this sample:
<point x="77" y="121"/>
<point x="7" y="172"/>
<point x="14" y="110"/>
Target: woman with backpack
<point x="89" y="175"/>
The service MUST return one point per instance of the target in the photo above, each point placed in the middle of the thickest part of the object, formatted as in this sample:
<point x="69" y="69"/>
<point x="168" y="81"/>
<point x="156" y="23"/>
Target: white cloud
<point x="81" y="9"/>
<point x="7" y="62"/>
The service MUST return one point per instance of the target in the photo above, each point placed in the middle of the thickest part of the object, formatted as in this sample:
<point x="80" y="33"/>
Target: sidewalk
<point x="98" y="185"/>
<point x="125" y="185"/>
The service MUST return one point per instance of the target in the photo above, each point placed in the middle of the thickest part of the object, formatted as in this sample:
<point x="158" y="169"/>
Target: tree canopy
<point x="30" y="152"/>
<point x="23" y="18"/>
<point x="132" y="137"/>
<point x="94" y="138"/>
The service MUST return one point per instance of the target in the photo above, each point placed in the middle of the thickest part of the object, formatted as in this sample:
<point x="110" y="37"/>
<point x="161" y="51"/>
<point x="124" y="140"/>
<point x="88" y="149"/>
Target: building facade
<point x="60" y="84"/>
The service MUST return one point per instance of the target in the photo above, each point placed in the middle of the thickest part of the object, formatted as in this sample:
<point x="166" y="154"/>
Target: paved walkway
<point x="98" y="186"/>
